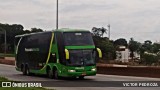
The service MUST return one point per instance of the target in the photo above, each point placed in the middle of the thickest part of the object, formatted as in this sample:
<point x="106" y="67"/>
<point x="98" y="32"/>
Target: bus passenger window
<point x="53" y="57"/>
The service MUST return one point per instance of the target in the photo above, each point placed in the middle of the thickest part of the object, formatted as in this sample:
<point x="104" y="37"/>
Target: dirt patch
<point x="9" y="62"/>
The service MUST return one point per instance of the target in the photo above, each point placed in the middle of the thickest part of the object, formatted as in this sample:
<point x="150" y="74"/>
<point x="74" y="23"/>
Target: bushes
<point x="150" y="59"/>
<point x="106" y="46"/>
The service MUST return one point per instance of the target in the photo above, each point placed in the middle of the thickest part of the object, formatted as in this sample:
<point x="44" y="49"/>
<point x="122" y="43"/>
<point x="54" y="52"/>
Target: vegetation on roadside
<point x="7" y="55"/>
<point x="11" y="32"/>
<point x="3" y="79"/>
<point x="149" y="52"/>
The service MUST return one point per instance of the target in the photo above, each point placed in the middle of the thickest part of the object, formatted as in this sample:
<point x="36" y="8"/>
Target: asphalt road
<point x="10" y="73"/>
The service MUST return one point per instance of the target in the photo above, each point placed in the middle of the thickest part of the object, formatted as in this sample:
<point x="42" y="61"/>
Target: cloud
<point x="128" y="18"/>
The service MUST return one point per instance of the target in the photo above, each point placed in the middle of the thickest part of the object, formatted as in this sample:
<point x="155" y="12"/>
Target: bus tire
<point x="28" y="71"/>
<point x="24" y="71"/>
<point x="81" y="77"/>
<point x="55" y="74"/>
<point x="50" y="73"/>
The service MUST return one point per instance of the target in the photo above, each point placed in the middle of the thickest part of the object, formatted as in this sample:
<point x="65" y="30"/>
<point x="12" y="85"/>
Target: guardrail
<point x="140" y="71"/>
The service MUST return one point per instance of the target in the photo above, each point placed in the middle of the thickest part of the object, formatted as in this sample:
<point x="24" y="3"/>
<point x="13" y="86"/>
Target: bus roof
<point x="71" y="30"/>
<point x="59" y="30"/>
<point x="31" y="34"/>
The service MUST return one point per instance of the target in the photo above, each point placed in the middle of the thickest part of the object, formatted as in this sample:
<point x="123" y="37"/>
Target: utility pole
<point x="109" y="31"/>
<point x="57" y="17"/>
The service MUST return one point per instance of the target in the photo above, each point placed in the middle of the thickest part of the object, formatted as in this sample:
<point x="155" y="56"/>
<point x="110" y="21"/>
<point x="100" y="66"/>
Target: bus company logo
<point x="31" y="49"/>
<point x="6" y="84"/>
<point x="21" y="84"/>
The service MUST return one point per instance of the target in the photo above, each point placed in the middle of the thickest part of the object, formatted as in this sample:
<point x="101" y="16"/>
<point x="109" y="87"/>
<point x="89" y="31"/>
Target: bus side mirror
<point x="99" y="52"/>
<point x="67" y="54"/>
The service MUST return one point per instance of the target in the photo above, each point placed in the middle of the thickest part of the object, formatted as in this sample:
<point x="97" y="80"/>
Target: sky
<point x="139" y="19"/>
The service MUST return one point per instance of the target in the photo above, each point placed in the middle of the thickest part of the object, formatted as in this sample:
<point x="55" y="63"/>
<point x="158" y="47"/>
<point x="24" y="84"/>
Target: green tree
<point x="120" y="42"/>
<point x="149" y="59"/>
<point x="36" y="30"/>
<point x="27" y="32"/>
<point x="156" y="48"/>
<point x="99" y="31"/>
<point x="133" y="47"/>
<point x="106" y="46"/>
<point x="148" y="45"/>
<point x="107" y="49"/>
<point x="150" y="53"/>
<point x="11" y="31"/>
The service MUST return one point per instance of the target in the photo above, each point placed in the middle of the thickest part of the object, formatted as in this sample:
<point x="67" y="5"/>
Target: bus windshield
<point x="81" y="58"/>
<point x="78" y="38"/>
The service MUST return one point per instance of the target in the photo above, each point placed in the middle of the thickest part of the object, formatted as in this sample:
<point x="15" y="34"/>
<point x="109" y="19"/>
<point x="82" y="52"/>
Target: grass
<point x="7" y="55"/>
<point x="3" y="79"/>
<point x="19" y="88"/>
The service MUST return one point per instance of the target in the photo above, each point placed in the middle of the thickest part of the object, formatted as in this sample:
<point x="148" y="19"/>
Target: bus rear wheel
<point x="55" y="74"/>
<point x="50" y="73"/>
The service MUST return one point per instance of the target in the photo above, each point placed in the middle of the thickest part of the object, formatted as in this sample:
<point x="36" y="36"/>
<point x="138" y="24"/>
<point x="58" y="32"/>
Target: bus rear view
<point x="71" y="53"/>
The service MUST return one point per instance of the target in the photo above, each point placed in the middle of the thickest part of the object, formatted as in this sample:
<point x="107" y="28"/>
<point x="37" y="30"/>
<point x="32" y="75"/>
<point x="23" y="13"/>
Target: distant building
<point x="123" y="54"/>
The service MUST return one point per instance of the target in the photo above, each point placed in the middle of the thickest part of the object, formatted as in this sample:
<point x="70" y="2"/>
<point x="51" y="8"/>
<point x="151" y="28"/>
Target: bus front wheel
<point x="81" y="77"/>
<point x="28" y="71"/>
<point x="24" y="71"/>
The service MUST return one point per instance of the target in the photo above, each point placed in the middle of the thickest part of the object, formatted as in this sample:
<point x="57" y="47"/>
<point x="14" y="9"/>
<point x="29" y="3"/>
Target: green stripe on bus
<point x="49" y="51"/>
<point x="79" y="47"/>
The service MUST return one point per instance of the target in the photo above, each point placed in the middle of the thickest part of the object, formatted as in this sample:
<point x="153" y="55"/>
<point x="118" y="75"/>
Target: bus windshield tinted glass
<point x="78" y="38"/>
<point x="81" y="58"/>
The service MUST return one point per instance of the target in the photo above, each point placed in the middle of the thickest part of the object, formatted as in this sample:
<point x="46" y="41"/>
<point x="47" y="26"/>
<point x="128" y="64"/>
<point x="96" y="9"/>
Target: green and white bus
<point x="63" y="52"/>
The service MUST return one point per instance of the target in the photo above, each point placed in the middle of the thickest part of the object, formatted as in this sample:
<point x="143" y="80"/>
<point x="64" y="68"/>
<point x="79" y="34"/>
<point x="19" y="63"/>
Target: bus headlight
<point x="93" y="69"/>
<point x="71" y="71"/>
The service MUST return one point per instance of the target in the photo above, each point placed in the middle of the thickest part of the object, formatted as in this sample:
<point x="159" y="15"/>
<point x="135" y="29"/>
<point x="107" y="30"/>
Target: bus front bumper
<point x="87" y="73"/>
